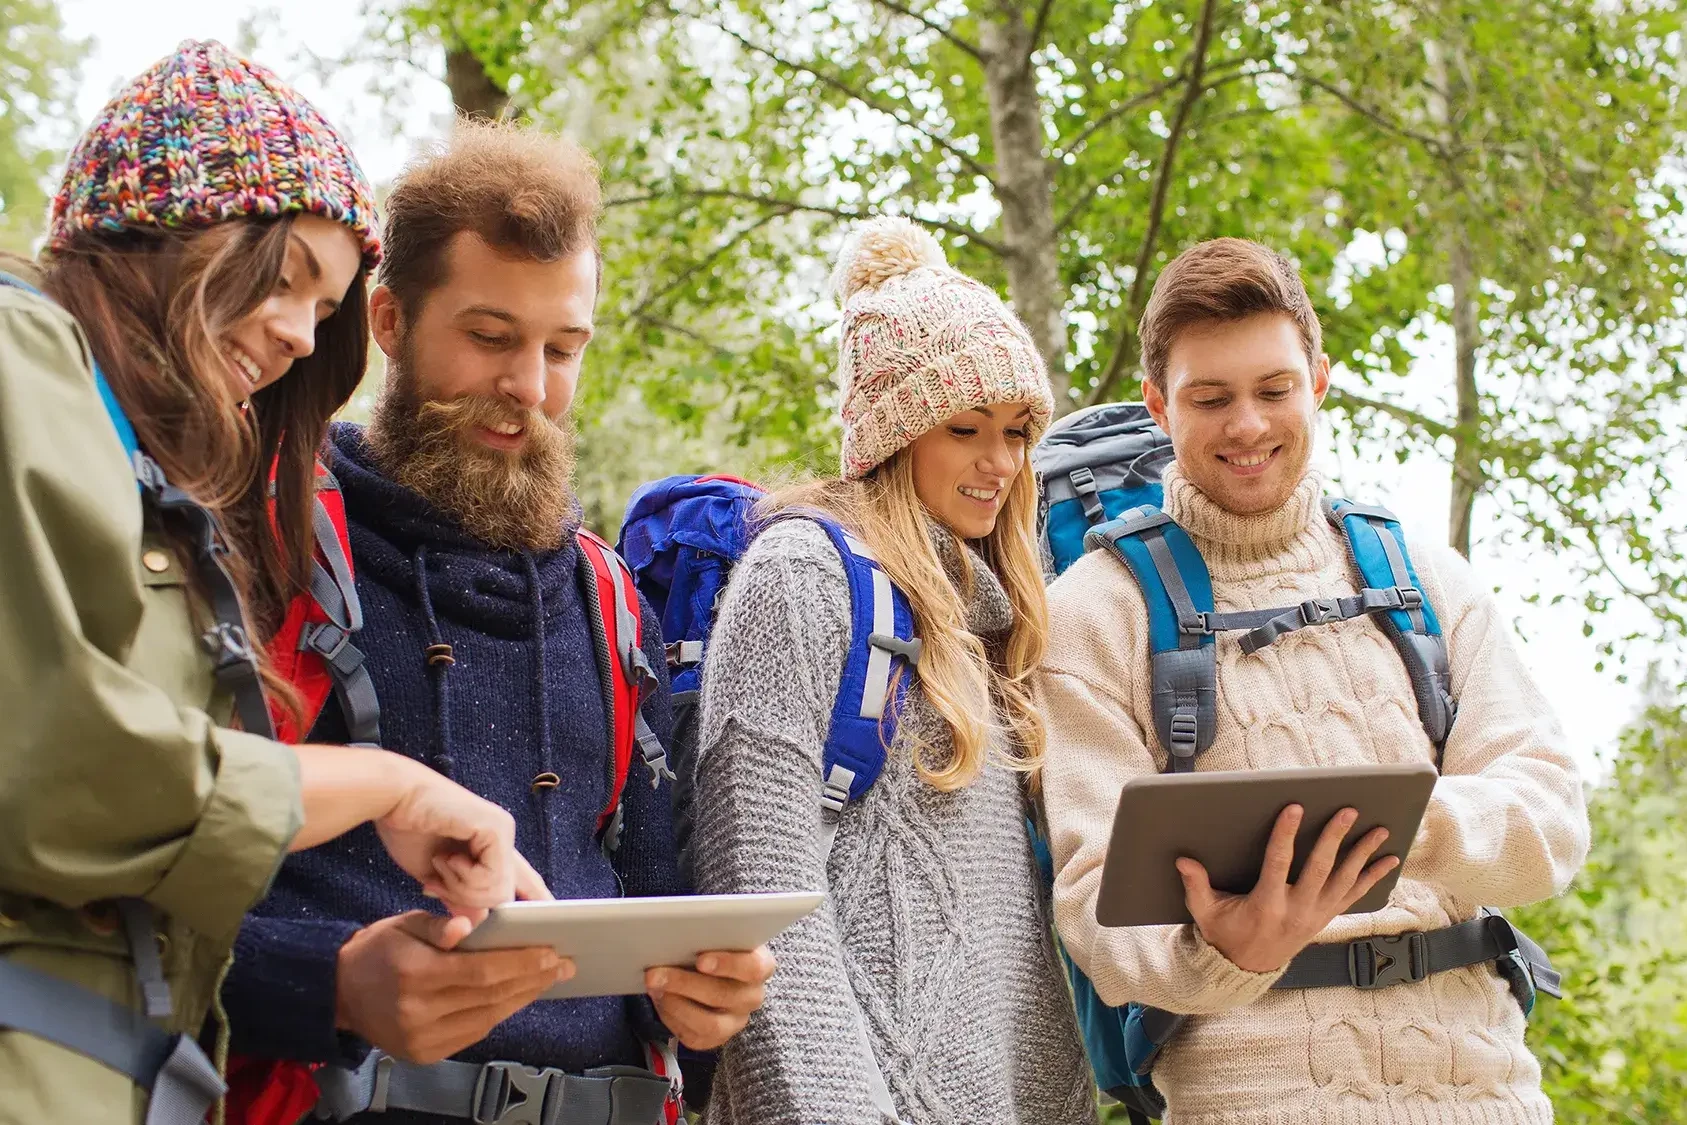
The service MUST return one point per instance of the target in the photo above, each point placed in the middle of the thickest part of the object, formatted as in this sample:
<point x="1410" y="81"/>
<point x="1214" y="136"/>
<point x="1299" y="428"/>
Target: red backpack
<point x="313" y="650"/>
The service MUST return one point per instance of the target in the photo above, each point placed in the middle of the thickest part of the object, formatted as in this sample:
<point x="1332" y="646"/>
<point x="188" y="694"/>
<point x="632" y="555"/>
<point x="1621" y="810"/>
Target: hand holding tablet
<point x="1262" y="930"/>
<point x="1240" y="830"/>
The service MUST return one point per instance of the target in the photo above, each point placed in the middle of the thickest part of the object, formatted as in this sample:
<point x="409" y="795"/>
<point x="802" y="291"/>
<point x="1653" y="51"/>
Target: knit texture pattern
<point x="936" y="931"/>
<point x="921" y="343"/>
<point x="202" y="137"/>
<point x="1506" y="826"/>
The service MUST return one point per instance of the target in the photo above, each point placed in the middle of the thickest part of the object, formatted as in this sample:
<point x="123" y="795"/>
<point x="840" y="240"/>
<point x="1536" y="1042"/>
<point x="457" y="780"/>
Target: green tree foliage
<point x="37" y="78"/>
<point x="1499" y="168"/>
<point x="1615" y="1048"/>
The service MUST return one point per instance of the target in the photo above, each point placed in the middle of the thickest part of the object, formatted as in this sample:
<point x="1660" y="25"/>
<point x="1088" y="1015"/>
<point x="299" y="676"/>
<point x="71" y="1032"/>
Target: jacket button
<point x="546" y="780"/>
<point x="156" y="561"/>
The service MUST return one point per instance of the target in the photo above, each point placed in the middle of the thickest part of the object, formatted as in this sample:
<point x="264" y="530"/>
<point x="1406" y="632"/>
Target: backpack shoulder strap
<point x="870" y="692"/>
<point x="333" y="588"/>
<point x="613" y="608"/>
<point x="1178" y="593"/>
<point x="1377" y="548"/>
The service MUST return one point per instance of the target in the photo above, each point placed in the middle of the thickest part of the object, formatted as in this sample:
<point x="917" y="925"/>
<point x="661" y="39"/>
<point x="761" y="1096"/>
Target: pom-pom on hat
<point x="921" y="343"/>
<point x="202" y="137"/>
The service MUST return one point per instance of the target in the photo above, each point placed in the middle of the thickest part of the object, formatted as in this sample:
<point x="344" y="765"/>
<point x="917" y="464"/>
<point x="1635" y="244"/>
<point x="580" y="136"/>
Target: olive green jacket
<point x="116" y="779"/>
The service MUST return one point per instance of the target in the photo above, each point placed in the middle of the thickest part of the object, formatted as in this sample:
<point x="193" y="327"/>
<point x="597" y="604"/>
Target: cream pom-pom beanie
<point x="921" y="343"/>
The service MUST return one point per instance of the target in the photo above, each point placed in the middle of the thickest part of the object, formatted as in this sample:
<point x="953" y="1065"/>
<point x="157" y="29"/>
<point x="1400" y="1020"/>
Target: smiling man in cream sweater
<point x="1234" y="372"/>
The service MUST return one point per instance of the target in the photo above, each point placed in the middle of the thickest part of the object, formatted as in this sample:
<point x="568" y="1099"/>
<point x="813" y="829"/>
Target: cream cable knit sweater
<point x="1506" y="826"/>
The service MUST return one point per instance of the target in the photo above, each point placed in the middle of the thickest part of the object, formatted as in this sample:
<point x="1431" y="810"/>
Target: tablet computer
<point x="614" y="940"/>
<point x="1224" y="820"/>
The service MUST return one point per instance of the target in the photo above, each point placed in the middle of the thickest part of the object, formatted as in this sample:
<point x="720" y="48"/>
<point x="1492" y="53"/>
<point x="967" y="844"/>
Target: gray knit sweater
<point x="937" y="928"/>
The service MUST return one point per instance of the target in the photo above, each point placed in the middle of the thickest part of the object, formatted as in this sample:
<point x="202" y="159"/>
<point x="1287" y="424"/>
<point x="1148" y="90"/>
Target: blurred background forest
<point x="1488" y="199"/>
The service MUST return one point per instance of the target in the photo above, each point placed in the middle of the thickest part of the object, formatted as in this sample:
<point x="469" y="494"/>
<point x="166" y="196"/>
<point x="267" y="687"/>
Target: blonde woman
<point x="926" y="989"/>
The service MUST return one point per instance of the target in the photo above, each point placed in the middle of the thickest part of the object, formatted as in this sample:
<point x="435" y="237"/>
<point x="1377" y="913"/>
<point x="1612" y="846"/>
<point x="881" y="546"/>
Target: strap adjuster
<point x="497" y="1082"/>
<point x="1378" y="962"/>
<point x="1184" y="730"/>
<point x="909" y="650"/>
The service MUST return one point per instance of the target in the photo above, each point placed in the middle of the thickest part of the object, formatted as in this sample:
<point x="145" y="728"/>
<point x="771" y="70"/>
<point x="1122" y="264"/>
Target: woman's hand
<point x="460" y="847"/>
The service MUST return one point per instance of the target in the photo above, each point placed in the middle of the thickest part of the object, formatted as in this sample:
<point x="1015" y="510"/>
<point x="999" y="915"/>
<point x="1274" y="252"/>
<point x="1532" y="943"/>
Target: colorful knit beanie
<point x="922" y="343"/>
<point x="202" y="137"/>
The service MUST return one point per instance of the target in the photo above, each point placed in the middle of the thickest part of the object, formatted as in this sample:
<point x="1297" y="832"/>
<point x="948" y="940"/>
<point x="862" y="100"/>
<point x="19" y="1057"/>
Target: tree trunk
<point x="1025" y="192"/>
<point x="472" y="90"/>
<point x="1468" y="477"/>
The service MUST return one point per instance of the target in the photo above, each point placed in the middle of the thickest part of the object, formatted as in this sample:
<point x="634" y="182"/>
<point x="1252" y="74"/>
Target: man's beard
<point x="514" y="501"/>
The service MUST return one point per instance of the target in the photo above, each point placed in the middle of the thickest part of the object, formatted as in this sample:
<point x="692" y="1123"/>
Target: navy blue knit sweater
<point x="522" y="699"/>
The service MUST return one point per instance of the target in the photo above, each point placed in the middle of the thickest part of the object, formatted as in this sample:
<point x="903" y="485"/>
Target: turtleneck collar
<point x="989" y="612"/>
<point x="1296" y="528"/>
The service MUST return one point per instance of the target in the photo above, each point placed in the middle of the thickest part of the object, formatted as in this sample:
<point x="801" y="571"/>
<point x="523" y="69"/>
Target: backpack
<point x="1110" y="446"/>
<point x="1094" y="465"/>
<point x="682" y="536"/>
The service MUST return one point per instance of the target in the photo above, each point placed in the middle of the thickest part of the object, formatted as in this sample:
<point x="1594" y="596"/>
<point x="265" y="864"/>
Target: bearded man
<point x="479" y="640"/>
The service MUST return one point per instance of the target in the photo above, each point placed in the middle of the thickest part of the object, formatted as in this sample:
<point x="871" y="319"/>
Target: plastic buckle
<point x="497" y="1081"/>
<point x="1388" y="959"/>
<point x="1320" y="611"/>
<point x="1194" y="625"/>
<point x="1410" y="597"/>
<point x="909" y="650"/>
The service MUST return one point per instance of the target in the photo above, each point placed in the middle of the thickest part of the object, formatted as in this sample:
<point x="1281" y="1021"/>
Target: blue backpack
<point x="1100" y="473"/>
<point x="681" y="537"/>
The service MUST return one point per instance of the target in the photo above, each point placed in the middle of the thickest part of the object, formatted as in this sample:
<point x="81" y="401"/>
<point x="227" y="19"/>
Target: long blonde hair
<point x="971" y="687"/>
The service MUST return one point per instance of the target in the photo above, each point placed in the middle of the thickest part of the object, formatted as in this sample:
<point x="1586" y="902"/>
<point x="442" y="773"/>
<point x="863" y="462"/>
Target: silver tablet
<point x="1224" y="819"/>
<point x="614" y="940"/>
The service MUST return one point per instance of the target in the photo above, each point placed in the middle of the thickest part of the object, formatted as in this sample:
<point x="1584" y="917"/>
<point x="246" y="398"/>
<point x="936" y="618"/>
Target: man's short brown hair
<point x="525" y="192"/>
<point x="1222" y="280"/>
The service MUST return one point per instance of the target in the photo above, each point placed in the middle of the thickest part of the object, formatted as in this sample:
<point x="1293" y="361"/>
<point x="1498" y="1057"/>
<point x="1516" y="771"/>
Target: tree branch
<point x="792" y="206"/>
<point x="901" y="9"/>
<point x="700" y="265"/>
<point x="1082" y="203"/>
<point x="1350" y="402"/>
<point x="1038" y="26"/>
<point x="1375" y="116"/>
<point x="973" y="164"/>
<point x="1157" y="207"/>
<point x="1117" y="112"/>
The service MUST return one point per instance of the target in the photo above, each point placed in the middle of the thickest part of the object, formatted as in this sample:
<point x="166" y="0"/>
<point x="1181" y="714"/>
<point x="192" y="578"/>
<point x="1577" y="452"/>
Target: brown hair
<point x="1221" y="280"/>
<point x="155" y="307"/>
<point x="521" y="190"/>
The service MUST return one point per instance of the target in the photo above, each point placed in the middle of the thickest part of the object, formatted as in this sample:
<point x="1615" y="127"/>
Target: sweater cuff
<point x="280" y="992"/>
<point x="1226" y="984"/>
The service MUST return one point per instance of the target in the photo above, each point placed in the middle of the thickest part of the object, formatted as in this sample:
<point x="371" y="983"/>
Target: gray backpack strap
<point x="1177" y="592"/>
<point x="505" y="1093"/>
<point x="181" y="1082"/>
